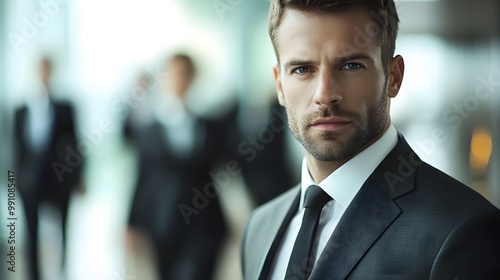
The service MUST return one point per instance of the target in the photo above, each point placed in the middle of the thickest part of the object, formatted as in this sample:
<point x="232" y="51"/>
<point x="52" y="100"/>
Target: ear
<point x="279" y="89"/>
<point x="396" y="73"/>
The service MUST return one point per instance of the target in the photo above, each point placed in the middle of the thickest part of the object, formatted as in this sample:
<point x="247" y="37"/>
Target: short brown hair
<point x="383" y="12"/>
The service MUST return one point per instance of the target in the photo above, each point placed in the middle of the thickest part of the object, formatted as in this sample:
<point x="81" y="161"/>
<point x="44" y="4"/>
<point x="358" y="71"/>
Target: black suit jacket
<point x="166" y="181"/>
<point x="408" y="221"/>
<point x="36" y="169"/>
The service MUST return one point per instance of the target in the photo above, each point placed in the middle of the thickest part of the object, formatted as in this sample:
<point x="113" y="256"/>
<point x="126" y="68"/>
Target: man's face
<point x="179" y="77"/>
<point x="45" y="70"/>
<point x="332" y="84"/>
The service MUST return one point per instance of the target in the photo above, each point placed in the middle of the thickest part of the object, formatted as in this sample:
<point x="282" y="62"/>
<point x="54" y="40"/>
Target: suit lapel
<point x="366" y="218"/>
<point x="395" y="175"/>
<point x="370" y="213"/>
<point x="277" y="233"/>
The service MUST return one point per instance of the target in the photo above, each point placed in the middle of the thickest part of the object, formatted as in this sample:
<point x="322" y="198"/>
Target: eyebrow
<point x="297" y="62"/>
<point x="339" y="60"/>
<point x="353" y="56"/>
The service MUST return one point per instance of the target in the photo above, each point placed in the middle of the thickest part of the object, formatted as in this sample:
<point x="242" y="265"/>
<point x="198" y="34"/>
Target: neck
<point x="319" y="170"/>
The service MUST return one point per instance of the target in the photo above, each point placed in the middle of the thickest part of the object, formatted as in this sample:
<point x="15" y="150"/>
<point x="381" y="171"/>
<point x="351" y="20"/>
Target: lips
<point x="330" y="123"/>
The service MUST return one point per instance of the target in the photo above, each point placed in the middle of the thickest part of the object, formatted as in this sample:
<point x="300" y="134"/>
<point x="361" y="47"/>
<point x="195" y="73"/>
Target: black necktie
<point x="301" y="264"/>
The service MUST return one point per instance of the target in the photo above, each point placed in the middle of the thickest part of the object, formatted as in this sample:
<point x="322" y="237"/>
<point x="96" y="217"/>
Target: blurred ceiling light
<point x="480" y="150"/>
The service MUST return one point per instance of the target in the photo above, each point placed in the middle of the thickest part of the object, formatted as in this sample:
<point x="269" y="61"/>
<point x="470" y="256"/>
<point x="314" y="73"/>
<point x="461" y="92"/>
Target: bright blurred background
<point x="448" y="107"/>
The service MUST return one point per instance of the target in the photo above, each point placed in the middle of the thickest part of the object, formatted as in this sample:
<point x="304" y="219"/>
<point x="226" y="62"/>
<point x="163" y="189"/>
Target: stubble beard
<point x="337" y="145"/>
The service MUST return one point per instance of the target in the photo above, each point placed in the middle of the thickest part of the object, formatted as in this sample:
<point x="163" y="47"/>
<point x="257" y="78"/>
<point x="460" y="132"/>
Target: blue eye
<point x="351" y="66"/>
<point x="301" y="70"/>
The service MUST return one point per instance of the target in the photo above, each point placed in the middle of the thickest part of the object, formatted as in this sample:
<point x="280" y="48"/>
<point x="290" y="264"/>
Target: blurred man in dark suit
<point x="177" y="152"/>
<point x="367" y="206"/>
<point x="48" y="162"/>
<point x="266" y="150"/>
<point x="258" y="146"/>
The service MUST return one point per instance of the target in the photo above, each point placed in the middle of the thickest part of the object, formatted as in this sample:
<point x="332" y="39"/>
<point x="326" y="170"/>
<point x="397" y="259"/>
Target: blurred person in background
<point x="367" y="206"/>
<point x="47" y="159"/>
<point x="255" y="136"/>
<point x="177" y="152"/>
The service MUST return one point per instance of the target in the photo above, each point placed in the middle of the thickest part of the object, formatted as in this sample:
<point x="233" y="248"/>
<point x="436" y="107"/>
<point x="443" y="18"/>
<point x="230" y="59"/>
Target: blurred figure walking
<point x="48" y="163"/>
<point x="176" y="154"/>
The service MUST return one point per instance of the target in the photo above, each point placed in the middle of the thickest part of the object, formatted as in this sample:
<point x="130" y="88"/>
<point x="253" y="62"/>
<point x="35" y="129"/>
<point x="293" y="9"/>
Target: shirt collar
<point x="40" y="102"/>
<point x="171" y="112"/>
<point x="344" y="183"/>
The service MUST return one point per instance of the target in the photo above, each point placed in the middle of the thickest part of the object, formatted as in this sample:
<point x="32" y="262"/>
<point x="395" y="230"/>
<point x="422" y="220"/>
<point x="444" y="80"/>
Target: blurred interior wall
<point x="34" y="28"/>
<point x="464" y="39"/>
<point x="4" y="151"/>
<point x="3" y="69"/>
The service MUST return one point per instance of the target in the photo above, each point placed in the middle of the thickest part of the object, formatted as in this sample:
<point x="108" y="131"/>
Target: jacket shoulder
<point x="63" y="106"/>
<point x="263" y="212"/>
<point x="260" y="227"/>
<point x="20" y="111"/>
<point x="471" y="250"/>
<point x="447" y="192"/>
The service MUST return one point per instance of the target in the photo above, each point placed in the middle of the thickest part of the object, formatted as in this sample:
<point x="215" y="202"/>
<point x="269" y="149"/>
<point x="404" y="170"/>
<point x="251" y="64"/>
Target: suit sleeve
<point x="472" y="250"/>
<point x="243" y="244"/>
<point x="79" y="168"/>
<point x="66" y="140"/>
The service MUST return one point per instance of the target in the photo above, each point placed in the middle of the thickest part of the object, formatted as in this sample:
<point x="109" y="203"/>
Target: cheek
<point x="297" y="93"/>
<point x="362" y="91"/>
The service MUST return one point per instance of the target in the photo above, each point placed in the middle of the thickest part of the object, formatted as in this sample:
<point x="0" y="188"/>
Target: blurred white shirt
<point x="40" y="119"/>
<point x="180" y="126"/>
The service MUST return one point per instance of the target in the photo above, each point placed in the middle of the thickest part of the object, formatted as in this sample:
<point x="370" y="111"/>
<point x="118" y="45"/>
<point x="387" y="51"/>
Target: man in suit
<point x="177" y="151"/>
<point x="256" y="153"/>
<point x="45" y="141"/>
<point x="367" y="206"/>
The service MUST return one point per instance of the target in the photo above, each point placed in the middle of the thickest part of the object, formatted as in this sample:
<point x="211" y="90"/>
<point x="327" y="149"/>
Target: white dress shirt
<point x="179" y="126"/>
<point x="342" y="185"/>
<point x="39" y="120"/>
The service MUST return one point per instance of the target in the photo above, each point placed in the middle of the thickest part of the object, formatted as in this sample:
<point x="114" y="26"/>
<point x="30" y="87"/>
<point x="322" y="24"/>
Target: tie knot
<point x="316" y="197"/>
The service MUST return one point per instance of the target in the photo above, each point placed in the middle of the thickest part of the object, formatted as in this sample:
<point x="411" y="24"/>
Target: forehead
<point x="338" y="32"/>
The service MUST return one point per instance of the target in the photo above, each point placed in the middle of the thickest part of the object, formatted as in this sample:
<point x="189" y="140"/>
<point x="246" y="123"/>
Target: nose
<point x="327" y="90"/>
